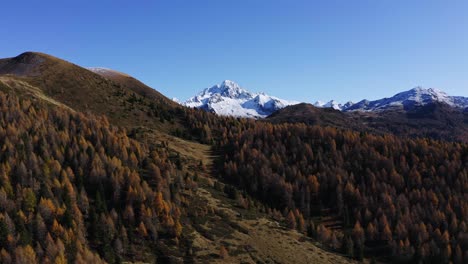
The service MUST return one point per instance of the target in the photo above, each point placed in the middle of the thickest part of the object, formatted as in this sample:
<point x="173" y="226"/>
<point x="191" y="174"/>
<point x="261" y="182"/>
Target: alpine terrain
<point x="229" y="99"/>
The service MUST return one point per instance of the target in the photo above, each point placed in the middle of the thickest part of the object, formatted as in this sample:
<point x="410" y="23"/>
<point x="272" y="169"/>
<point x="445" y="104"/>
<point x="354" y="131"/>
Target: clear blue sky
<point x="303" y="50"/>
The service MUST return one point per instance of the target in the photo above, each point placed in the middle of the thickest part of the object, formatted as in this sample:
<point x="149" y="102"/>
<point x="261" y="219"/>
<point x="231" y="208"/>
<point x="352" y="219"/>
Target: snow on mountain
<point x="229" y="99"/>
<point x="347" y="105"/>
<point x="318" y="104"/>
<point x="333" y="104"/>
<point x="409" y="99"/>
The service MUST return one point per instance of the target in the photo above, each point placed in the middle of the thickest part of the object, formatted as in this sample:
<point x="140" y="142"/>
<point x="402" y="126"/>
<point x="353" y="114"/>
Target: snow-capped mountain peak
<point x="229" y="98"/>
<point x="230" y="85"/>
<point x="226" y="89"/>
<point x="333" y="104"/>
<point x="422" y="96"/>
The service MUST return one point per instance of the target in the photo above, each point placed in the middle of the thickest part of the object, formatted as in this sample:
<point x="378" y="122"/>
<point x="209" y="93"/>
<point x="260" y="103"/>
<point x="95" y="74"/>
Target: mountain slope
<point x="72" y="187"/>
<point x="229" y="99"/>
<point x="132" y="84"/>
<point x="126" y="101"/>
<point x="311" y="115"/>
<point x="361" y="190"/>
<point x="433" y="120"/>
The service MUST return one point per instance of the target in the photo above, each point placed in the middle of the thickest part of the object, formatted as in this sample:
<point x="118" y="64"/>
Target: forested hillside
<point x="361" y="194"/>
<point x="72" y="185"/>
<point x="392" y="197"/>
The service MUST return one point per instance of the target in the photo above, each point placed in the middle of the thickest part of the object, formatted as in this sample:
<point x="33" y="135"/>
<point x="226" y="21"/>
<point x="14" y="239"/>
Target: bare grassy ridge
<point x="124" y="100"/>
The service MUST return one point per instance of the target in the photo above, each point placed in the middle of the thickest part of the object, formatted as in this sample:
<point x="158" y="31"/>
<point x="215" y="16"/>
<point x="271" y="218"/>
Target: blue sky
<point x="303" y="50"/>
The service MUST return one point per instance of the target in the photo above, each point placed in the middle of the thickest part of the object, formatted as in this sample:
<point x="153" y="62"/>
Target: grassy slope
<point x="136" y="86"/>
<point x="248" y="235"/>
<point x="84" y="90"/>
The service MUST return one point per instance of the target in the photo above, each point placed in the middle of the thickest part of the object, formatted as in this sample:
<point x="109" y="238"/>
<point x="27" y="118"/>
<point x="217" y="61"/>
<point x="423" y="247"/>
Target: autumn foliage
<point x="407" y="196"/>
<point x="73" y="188"/>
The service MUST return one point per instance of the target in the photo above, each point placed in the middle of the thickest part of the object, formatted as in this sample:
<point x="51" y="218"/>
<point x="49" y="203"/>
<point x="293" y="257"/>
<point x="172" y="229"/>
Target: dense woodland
<point x="409" y="194"/>
<point x="74" y="189"/>
<point x="401" y="198"/>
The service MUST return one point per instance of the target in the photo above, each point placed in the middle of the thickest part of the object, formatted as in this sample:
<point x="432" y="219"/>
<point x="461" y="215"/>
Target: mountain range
<point x="229" y="99"/>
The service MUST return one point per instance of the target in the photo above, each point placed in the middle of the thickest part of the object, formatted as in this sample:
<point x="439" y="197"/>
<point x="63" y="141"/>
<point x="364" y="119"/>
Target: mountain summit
<point x="227" y="89"/>
<point x="229" y="98"/>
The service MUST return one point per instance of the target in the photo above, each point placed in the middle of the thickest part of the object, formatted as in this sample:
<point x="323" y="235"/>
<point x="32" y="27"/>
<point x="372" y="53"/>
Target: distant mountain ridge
<point x="406" y="100"/>
<point x="229" y="98"/>
<point x="417" y="112"/>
